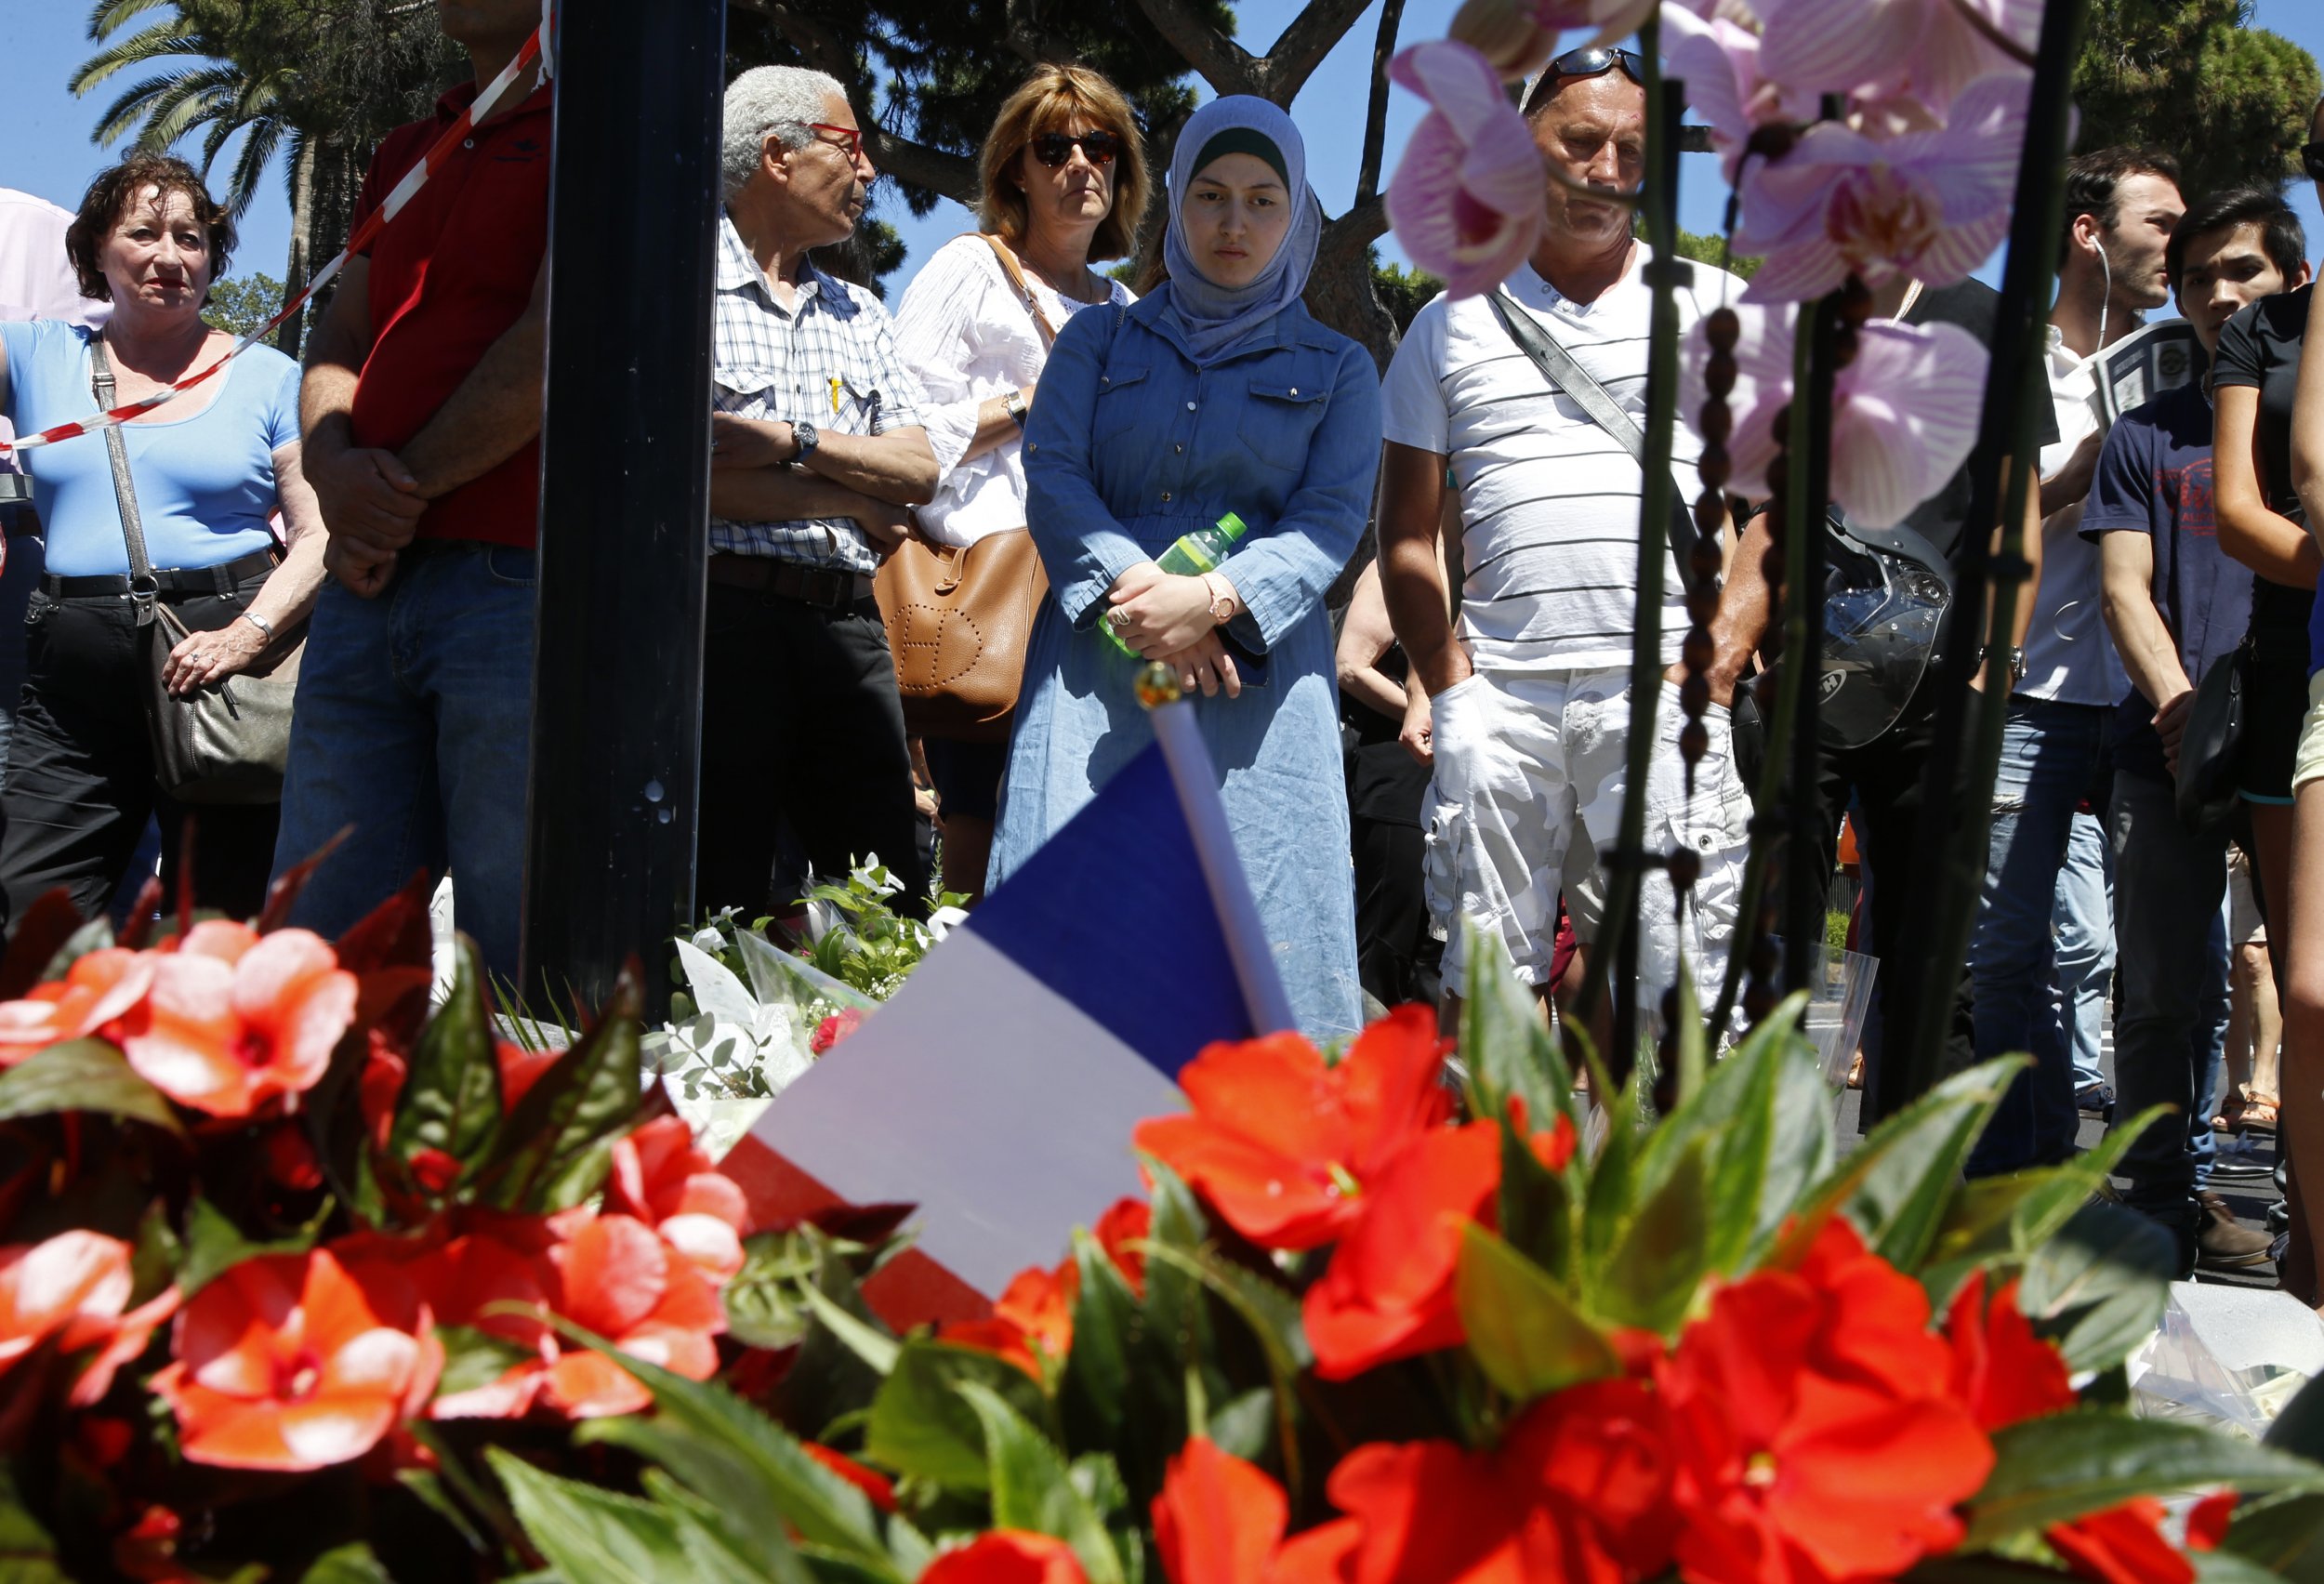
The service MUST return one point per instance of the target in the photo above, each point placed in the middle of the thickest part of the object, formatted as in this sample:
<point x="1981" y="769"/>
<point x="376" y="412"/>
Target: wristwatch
<point x="1221" y="605"/>
<point x="2014" y="655"/>
<point x="1013" y="405"/>
<point x="804" y="433"/>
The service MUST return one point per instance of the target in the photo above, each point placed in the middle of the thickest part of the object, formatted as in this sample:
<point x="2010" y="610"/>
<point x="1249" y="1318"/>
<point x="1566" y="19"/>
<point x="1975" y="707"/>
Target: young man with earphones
<point x="2035" y="989"/>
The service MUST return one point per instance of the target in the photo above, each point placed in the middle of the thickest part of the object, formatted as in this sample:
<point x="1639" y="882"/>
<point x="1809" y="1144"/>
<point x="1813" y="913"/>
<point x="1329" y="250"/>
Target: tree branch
<point x="1224" y="64"/>
<point x="1301" y="47"/>
<point x="1034" y="44"/>
<point x="1361" y="226"/>
<point x="1376" y="118"/>
<point x="954" y="176"/>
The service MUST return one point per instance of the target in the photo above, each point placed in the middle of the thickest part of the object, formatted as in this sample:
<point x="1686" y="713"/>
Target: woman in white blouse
<point x="1064" y="179"/>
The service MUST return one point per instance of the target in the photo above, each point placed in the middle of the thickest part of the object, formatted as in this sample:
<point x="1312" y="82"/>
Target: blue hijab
<point x="1213" y="318"/>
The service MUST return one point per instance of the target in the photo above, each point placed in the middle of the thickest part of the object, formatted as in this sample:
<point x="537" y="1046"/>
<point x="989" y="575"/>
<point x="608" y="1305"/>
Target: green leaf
<point x="1995" y="1219"/>
<point x="555" y="1149"/>
<point x="922" y="1425"/>
<point x="1614" y="1175"/>
<point x="1650" y="1277"/>
<point x="1273" y="1315"/>
<point x="1242" y="1425"/>
<point x="450" y="1098"/>
<point x="1032" y="1489"/>
<point x="1174" y="1303"/>
<point x="862" y="1338"/>
<point x="2286" y="1536"/>
<point x="731" y="1454"/>
<point x="1524" y="1333"/>
<point x="719" y="1545"/>
<point x="1504" y="1043"/>
<point x="1895" y="1187"/>
<point x="214" y="1244"/>
<point x="83" y="1075"/>
<point x="1095" y="1390"/>
<point x="2062" y="1466"/>
<point x="2228" y="1567"/>
<point x="590" y="1535"/>
<point x="2098" y="1287"/>
<point x="27" y="1554"/>
<point x="346" y="1565"/>
<point x="429" y="1487"/>
<point x="762" y="1303"/>
<point x="2299" y="1428"/>
<point x="474" y="1358"/>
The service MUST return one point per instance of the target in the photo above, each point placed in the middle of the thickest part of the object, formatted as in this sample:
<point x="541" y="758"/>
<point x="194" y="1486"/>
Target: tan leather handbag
<point x="959" y="619"/>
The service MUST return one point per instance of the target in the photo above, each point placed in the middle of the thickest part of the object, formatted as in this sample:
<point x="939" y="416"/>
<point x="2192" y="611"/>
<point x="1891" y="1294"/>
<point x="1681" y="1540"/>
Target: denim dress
<point x="1129" y="445"/>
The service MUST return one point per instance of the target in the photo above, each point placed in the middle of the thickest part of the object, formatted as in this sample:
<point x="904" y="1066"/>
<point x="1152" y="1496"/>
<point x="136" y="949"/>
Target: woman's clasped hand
<point x="1169" y="617"/>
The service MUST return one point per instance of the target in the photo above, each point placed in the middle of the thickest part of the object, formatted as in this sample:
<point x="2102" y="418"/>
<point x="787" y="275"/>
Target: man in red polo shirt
<point x="421" y="411"/>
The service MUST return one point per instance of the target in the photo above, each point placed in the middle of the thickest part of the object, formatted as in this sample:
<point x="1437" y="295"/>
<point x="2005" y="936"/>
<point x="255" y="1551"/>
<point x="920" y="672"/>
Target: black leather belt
<point x="219" y="580"/>
<point x="826" y="589"/>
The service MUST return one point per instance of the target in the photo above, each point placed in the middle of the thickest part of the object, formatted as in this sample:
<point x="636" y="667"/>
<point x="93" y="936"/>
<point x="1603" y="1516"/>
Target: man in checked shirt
<point x="816" y="456"/>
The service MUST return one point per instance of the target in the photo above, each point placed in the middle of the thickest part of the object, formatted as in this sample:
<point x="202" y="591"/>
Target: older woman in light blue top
<point x="1217" y="393"/>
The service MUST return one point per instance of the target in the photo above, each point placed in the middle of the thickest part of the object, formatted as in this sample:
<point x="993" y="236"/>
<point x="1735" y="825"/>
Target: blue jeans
<point x="414" y="725"/>
<point x="2169" y="885"/>
<point x="2083" y="924"/>
<point x="2052" y="757"/>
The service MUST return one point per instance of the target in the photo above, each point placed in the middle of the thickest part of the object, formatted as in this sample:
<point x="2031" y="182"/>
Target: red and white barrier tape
<point x="373" y="223"/>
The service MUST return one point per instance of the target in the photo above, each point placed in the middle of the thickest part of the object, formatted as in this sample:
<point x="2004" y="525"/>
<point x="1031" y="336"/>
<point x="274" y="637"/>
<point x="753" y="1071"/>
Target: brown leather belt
<point x="826" y="589"/>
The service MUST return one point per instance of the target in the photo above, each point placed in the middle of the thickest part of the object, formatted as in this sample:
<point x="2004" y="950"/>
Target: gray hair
<point x="771" y="100"/>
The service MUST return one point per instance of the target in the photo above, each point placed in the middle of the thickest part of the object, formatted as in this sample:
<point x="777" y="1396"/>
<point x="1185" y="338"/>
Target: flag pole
<point x="1197" y="786"/>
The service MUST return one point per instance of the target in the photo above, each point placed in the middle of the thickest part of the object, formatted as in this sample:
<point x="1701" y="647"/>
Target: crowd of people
<point x="1197" y="464"/>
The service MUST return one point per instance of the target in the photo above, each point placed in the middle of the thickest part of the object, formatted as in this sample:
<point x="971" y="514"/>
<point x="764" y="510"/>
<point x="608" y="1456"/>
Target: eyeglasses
<point x="1593" y="61"/>
<point x="851" y="138"/>
<point x="1053" y="149"/>
<point x="2312" y="156"/>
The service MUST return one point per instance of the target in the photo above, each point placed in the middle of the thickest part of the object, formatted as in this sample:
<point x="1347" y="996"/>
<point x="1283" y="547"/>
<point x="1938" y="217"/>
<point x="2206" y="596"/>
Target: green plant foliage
<point x="2192" y="76"/>
<point x="241" y="303"/>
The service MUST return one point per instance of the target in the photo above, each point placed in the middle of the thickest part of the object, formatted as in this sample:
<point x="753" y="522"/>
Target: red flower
<point x="2207" y="1521"/>
<point x="294" y="1361"/>
<point x="1814" y="1437"/>
<point x="2001" y="1370"/>
<point x="878" y="1487"/>
<point x="660" y="1178"/>
<point x="520" y="1070"/>
<point x="235" y="1019"/>
<point x="1388" y="1292"/>
<point x="2122" y="1545"/>
<point x="1032" y="1322"/>
<point x="610" y="1273"/>
<point x="1579" y="1492"/>
<point x="1124" y="1223"/>
<point x="1220" y="1520"/>
<point x="1553" y="1146"/>
<point x="99" y="987"/>
<point x="72" y="1287"/>
<point x="1284" y="1147"/>
<point x="1006" y="1556"/>
<point x="833" y="1029"/>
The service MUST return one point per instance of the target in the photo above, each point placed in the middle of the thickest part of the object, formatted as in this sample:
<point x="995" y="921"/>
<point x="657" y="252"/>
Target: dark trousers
<point x="1396" y="958"/>
<point x="800" y="721"/>
<point x="1883" y="780"/>
<point x="80" y="781"/>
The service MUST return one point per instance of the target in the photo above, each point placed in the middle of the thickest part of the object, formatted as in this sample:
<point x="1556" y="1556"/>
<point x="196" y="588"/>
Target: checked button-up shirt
<point x="830" y="360"/>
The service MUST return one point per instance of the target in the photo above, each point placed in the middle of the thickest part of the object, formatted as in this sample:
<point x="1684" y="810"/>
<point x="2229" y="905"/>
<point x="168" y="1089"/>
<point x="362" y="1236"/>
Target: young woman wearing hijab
<point x="1216" y="393"/>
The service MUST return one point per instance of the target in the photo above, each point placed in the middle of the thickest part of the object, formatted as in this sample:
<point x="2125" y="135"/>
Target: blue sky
<point x="47" y="148"/>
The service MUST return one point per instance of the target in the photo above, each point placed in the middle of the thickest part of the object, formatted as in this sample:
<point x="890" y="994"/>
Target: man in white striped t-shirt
<point x="1525" y="710"/>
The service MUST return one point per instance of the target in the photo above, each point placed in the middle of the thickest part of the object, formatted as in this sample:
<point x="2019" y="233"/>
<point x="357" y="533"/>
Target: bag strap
<point x="1565" y="373"/>
<point x="1015" y="273"/>
<point x="143" y="589"/>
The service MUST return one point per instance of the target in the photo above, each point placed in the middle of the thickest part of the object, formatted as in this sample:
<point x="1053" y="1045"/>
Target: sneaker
<point x="2095" y="1101"/>
<point x="2220" y="1244"/>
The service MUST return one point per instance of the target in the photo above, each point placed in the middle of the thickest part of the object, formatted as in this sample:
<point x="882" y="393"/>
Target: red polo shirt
<point x="449" y="276"/>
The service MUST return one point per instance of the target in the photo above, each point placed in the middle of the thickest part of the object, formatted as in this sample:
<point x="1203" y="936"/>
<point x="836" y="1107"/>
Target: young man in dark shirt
<point x="2176" y="606"/>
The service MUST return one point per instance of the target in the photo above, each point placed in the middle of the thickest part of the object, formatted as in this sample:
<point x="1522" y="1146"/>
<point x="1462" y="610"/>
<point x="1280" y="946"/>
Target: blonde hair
<point x="1050" y="101"/>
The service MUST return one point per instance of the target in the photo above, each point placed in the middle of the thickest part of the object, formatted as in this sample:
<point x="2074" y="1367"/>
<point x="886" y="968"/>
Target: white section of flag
<point x="999" y="1108"/>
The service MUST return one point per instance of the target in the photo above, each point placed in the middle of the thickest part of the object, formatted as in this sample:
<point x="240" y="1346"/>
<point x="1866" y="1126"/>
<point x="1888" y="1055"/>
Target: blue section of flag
<point x="1112" y="915"/>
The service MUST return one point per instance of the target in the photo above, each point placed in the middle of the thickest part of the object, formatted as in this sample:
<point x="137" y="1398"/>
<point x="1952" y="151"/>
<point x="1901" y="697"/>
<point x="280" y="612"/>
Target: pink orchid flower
<point x="1932" y="205"/>
<point x="1466" y="199"/>
<point x="1905" y="409"/>
<point x="1717" y="57"/>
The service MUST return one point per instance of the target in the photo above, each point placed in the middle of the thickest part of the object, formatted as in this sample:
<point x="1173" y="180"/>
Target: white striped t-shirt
<point x="1549" y="501"/>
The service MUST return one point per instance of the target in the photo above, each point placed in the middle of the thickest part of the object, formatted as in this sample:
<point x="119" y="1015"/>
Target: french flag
<point x="998" y="1088"/>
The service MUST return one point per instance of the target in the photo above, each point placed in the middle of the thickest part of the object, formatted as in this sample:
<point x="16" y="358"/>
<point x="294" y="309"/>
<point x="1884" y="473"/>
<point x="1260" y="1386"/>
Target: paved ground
<point x="2249" y="1195"/>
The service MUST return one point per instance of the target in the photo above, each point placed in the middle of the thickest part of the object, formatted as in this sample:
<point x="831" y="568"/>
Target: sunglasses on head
<point x="1592" y="61"/>
<point x="1053" y="149"/>
<point x="2312" y="156"/>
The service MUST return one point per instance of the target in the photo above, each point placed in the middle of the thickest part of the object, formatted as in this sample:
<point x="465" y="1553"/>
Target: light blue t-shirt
<point x="205" y="483"/>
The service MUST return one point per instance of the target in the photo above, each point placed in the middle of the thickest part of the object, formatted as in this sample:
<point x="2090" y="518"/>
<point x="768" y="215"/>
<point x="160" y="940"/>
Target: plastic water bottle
<point x="1192" y="555"/>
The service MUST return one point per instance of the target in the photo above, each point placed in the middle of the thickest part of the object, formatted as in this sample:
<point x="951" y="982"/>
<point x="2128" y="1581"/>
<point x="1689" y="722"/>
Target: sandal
<point x="2256" y="1114"/>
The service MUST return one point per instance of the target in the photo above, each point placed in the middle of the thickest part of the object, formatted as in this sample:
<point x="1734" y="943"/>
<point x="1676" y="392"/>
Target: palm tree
<point x="320" y="80"/>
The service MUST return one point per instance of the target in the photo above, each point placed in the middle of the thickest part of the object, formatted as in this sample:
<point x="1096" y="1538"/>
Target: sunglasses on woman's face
<point x="1053" y="149"/>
